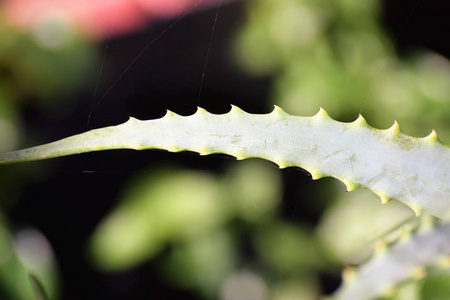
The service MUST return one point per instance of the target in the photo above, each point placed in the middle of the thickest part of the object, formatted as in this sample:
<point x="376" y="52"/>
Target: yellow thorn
<point x="239" y="156"/>
<point x="395" y="128"/>
<point x="278" y="110"/>
<point x="174" y="148"/>
<point x="445" y="261"/>
<point x="417" y="209"/>
<point x="278" y="113"/>
<point x="350" y="185"/>
<point x="389" y="291"/>
<point x="170" y="113"/>
<point x="384" y="199"/>
<point x="348" y="274"/>
<point x="132" y="120"/>
<point x="380" y="248"/>
<point x="432" y="138"/>
<point x="405" y="234"/>
<point x="419" y="272"/>
<point x="281" y="164"/>
<point x="360" y="121"/>
<point x="322" y="114"/>
<point x="201" y="110"/>
<point x="426" y="223"/>
<point x="204" y="151"/>
<point x="315" y="174"/>
<point x="236" y="110"/>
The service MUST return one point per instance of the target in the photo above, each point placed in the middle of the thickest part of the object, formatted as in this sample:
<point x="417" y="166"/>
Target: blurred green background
<point x="139" y="225"/>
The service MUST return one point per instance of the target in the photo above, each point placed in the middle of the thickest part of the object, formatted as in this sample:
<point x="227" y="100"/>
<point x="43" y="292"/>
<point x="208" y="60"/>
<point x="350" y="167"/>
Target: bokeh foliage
<point x="34" y="66"/>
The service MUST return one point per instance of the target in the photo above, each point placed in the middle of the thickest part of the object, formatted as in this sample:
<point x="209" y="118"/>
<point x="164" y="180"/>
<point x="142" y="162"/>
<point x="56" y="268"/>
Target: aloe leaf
<point x="405" y="260"/>
<point x="387" y="162"/>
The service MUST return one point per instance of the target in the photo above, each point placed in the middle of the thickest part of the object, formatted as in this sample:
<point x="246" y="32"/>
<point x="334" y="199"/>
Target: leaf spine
<point x="170" y="114"/>
<point x="133" y="120"/>
<point x="432" y="138"/>
<point x="281" y="164"/>
<point x="406" y="233"/>
<point x="315" y="174"/>
<point x="427" y="223"/>
<point x="350" y="185"/>
<point x="349" y="274"/>
<point x="394" y="129"/>
<point x="239" y="156"/>
<point x="416" y="208"/>
<point x="384" y="198"/>
<point x="322" y="114"/>
<point x="389" y="291"/>
<point x="445" y="261"/>
<point x="205" y="151"/>
<point x="419" y="272"/>
<point x="174" y="148"/>
<point x="278" y="112"/>
<point x="360" y="121"/>
<point x="201" y="111"/>
<point x="381" y="247"/>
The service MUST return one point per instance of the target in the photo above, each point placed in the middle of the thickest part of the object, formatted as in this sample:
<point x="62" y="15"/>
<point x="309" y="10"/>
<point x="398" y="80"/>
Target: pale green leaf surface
<point x="388" y="162"/>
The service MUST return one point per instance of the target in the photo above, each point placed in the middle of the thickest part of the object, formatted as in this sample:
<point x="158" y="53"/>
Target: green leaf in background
<point x="348" y="64"/>
<point x="174" y="206"/>
<point x="201" y="263"/>
<point x="26" y="272"/>
<point x="288" y="248"/>
<point x="436" y="285"/>
<point x="352" y="244"/>
<point x="164" y="207"/>
<point x="253" y="188"/>
<point x="51" y="60"/>
<point x="14" y="278"/>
